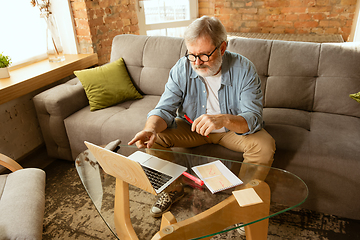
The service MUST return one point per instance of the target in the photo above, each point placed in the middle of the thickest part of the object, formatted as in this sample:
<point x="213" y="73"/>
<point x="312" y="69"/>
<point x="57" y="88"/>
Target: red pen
<point x="189" y="120"/>
<point x="195" y="179"/>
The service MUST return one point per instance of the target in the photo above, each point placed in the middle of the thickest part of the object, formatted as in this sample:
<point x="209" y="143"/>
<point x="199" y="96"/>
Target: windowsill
<point x="37" y="75"/>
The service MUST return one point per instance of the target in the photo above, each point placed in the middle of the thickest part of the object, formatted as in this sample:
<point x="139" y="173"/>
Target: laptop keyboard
<point x="156" y="178"/>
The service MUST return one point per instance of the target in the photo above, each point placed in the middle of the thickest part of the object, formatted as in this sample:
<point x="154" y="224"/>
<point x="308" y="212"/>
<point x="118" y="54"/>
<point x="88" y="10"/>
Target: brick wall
<point x="283" y="16"/>
<point x="98" y="21"/>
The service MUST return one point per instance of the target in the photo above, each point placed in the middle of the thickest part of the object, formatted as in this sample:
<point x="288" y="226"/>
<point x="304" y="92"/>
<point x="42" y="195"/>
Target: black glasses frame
<point x="200" y="55"/>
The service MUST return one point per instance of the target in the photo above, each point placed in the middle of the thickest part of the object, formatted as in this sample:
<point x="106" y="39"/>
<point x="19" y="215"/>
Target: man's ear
<point x="223" y="47"/>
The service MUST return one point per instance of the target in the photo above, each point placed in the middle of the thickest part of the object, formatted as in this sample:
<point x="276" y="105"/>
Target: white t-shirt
<point x="213" y="84"/>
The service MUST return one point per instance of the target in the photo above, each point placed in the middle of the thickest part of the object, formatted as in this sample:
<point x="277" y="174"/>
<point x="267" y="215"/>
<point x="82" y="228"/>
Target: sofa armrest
<point x="52" y="107"/>
<point x="9" y="163"/>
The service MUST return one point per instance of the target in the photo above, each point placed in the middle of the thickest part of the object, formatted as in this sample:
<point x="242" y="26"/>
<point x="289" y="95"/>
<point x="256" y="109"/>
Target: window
<point x="164" y="11"/>
<point x="26" y="31"/>
<point x="166" y="18"/>
<point x="26" y="38"/>
<point x="357" y="27"/>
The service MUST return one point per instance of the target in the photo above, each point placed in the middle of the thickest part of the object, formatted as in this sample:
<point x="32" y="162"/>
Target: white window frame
<point x="143" y="27"/>
<point x="357" y="23"/>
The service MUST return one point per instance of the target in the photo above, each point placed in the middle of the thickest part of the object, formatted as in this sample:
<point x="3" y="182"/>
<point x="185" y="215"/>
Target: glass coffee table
<point x="199" y="214"/>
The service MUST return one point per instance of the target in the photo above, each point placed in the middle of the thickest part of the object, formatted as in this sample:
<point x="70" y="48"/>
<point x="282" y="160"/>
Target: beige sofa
<point x="307" y="109"/>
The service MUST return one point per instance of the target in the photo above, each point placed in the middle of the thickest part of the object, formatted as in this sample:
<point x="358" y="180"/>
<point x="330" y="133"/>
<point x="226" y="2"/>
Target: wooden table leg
<point x="123" y="226"/>
<point x="229" y="212"/>
<point x="167" y="219"/>
<point x="257" y="231"/>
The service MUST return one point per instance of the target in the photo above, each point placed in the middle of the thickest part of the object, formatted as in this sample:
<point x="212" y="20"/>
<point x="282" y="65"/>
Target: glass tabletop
<point x="287" y="191"/>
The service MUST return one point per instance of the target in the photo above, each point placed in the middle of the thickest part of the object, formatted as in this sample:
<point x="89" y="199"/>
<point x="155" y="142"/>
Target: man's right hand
<point x="144" y="139"/>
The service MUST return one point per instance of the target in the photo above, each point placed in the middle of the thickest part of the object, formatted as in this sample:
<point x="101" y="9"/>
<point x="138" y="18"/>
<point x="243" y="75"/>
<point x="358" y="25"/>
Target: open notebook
<point x="140" y="169"/>
<point x="216" y="176"/>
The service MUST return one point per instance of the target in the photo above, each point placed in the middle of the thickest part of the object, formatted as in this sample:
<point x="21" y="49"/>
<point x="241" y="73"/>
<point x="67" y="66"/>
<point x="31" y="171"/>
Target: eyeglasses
<point x="203" y="57"/>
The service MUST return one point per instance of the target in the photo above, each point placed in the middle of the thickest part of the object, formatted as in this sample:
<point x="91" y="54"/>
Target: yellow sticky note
<point x="247" y="197"/>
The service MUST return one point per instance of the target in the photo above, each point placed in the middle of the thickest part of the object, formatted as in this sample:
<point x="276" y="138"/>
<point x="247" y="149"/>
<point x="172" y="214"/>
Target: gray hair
<point x="206" y="26"/>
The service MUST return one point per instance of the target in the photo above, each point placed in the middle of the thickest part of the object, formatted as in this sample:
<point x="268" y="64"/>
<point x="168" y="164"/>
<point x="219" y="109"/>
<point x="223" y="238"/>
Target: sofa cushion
<point x="294" y="59"/>
<point x="332" y="95"/>
<point x="296" y="92"/>
<point x="107" y="85"/>
<point x="339" y="76"/>
<point x="121" y="121"/>
<point x="160" y="55"/>
<point x="260" y="57"/>
<point x="290" y="117"/>
<point x="334" y="168"/>
<point x="149" y="60"/>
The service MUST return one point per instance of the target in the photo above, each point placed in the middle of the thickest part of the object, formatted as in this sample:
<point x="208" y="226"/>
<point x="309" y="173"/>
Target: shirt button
<point x="203" y="106"/>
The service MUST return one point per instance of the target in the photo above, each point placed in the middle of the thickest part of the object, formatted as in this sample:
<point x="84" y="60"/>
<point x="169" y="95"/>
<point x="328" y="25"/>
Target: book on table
<point x="216" y="176"/>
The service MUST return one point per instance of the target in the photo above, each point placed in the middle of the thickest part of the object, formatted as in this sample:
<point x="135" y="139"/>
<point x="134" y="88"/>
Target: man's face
<point x="204" y="45"/>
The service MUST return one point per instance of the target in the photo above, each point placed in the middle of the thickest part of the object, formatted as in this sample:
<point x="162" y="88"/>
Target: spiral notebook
<point x="216" y="176"/>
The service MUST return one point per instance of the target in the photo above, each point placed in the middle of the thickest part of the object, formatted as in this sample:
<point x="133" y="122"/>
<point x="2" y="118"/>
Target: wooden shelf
<point x="37" y="75"/>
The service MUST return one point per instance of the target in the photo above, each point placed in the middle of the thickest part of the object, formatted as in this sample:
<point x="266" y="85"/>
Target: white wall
<point x="20" y="130"/>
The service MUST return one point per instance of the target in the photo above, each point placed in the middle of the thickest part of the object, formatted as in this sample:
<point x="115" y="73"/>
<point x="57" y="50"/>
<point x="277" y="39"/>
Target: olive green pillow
<point x="107" y="85"/>
<point x="355" y="96"/>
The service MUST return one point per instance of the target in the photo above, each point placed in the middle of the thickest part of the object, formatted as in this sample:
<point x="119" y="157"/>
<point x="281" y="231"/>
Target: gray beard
<point x="211" y="70"/>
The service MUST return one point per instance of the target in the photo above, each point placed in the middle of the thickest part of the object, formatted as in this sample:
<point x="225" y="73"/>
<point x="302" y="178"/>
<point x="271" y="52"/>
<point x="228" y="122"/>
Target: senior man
<point x="217" y="89"/>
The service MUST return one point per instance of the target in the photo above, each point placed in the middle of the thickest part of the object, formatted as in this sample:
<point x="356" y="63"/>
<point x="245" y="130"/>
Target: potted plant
<point x="5" y="61"/>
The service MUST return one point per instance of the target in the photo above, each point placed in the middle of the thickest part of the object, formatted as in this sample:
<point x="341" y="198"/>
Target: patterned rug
<point x="70" y="214"/>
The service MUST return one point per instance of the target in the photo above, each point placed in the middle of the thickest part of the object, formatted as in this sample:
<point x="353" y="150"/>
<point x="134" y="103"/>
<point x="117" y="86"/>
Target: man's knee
<point x="163" y="141"/>
<point x="268" y="149"/>
<point x="268" y="144"/>
<point x="260" y="149"/>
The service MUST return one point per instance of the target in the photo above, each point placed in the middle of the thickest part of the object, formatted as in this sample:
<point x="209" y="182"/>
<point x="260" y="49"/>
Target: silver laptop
<point x="159" y="173"/>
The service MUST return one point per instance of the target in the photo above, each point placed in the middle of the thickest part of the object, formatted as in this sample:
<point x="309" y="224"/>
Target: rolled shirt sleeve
<point x="251" y="102"/>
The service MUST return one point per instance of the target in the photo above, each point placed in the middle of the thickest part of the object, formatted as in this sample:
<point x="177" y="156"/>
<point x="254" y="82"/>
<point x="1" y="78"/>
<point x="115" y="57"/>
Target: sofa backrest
<point x="306" y="76"/>
<point x="148" y="59"/>
<point x="295" y="75"/>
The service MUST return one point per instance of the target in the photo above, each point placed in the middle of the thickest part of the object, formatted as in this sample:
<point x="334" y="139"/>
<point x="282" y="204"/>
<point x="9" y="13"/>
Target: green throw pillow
<point x="355" y="96"/>
<point x="107" y="85"/>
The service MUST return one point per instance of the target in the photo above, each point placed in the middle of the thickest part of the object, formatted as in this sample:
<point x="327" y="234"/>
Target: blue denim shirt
<point x="239" y="93"/>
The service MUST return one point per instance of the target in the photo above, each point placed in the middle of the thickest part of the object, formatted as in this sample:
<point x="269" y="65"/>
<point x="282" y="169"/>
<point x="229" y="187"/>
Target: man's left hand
<point x="205" y="124"/>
